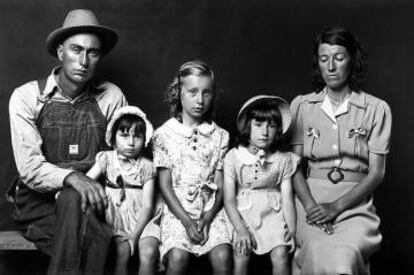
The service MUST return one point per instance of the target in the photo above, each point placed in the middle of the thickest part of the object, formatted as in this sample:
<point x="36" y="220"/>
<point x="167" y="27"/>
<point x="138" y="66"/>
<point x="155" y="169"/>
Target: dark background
<point x="255" y="47"/>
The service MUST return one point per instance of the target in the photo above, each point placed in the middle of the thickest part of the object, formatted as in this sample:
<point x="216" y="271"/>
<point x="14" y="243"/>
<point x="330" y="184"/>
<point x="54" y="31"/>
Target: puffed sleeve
<point x="148" y="171"/>
<point x="229" y="167"/>
<point x="224" y="145"/>
<point x="160" y="151"/>
<point x="379" y="139"/>
<point x="101" y="159"/>
<point x="297" y="122"/>
<point x="290" y="165"/>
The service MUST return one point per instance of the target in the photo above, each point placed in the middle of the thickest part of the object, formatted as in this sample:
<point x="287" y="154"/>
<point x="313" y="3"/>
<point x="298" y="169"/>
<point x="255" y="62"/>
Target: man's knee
<point x="69" y="199"/>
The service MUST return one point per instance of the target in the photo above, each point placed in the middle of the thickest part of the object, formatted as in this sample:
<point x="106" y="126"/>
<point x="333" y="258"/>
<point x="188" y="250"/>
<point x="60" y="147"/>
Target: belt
<point x="336" y="175"/>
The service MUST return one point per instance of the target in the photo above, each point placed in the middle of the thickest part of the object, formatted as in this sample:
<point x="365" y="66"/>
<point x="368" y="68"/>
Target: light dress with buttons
<point x="258" y="193"/>
<point x="192" y="155"/>
<point x="125" y="194"/>
<point x="336" y="146"/>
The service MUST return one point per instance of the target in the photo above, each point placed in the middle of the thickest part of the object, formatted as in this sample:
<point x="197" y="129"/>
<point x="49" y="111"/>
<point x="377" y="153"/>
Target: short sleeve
<point x="297" y="121"/>
<point x="224" y="145"/>
<point x="229" y="165"/>
<point x="290" y="165"/>
<point x="379" y="139"/>
<point x="148" y="171"/>
<point x="101" y="159"/>
<point x="160" y="152"/>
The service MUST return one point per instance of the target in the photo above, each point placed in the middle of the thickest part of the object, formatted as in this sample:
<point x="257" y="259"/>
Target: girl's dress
<point x="193" y="156"/>
<point x="125" y="194"/>
<point x="258" y="192"/>
<point x="335" y="142"/>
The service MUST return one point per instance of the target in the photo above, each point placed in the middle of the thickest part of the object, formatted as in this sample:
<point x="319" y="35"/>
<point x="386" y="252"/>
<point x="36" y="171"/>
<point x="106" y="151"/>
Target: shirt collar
<point x="52" y="86"/>
<point x="245" y="157"/>
<point x="204" y="128"/>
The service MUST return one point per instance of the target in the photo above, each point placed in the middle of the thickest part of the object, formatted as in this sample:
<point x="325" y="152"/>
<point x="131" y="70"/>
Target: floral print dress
<point x="192" y="155"/>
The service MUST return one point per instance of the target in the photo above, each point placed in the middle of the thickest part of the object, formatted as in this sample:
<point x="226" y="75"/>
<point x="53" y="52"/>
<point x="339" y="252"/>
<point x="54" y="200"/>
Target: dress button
<point x="194" y="148"/>
<point x="335" y="147"/>
<point x="335" y="126"/>
<point x="195" y="131"/>
<point x="255" y="178"/>
<point x="337" y="162"/>
<point x="195" y="140"/>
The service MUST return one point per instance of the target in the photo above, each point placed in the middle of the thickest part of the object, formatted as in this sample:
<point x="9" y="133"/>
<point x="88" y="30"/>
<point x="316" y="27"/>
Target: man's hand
<point x="92" y="193"/>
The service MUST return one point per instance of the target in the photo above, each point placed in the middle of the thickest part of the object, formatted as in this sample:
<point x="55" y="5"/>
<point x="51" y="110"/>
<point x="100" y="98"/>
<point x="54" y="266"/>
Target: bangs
<point x="126" y="122"/>
<point x="267" y="114"/>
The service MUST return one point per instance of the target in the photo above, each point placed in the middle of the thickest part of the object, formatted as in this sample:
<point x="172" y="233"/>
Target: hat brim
<point x="282" y="105"/>
<point x="108" y="37"/>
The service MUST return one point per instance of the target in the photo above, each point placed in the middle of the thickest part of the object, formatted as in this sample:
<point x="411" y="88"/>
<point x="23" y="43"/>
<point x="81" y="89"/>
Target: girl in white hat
<point x="130" y="188"/>
<point x="258" y="195"/>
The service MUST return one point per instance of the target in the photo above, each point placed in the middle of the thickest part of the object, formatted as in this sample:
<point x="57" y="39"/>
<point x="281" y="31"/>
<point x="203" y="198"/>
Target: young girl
<point x="130" y="188"/>
<point x="188" y="153"/>
<point x="258" y="194"/>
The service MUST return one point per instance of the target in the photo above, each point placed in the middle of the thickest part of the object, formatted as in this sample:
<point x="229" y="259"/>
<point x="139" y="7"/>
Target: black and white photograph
<point x="158" y="137"/>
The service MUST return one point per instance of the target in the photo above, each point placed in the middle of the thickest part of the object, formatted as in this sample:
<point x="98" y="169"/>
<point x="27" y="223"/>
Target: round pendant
<point x="335" y="175"/>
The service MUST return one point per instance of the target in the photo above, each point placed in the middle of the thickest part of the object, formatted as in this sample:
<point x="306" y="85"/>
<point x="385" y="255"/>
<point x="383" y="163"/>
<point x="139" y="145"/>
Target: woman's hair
<point x="125" y="123"/>
<point x="264" y="111"/>
<point x="173" y="95"/>
<point x="341" y="37"/>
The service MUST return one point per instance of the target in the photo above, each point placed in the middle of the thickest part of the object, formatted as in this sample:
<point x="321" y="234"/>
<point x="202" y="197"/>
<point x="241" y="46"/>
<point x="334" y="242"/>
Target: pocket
<point x="311" y="137"/>
<point x="244" y="201"/>
<point x="274" y="201"/>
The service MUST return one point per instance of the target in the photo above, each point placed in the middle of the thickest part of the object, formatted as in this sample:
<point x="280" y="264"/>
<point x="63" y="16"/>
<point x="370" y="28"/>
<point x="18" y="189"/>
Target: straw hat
<point x="81" y="21"/>
<point x="281" y="104"/>
<point x="132" y="110"/>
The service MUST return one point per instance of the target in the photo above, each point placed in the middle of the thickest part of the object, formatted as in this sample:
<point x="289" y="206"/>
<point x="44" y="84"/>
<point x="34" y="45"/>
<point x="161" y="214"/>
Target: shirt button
<point x="337" y="162"/>
<point x="335" y="126"/>
<point x="335" y="147"/>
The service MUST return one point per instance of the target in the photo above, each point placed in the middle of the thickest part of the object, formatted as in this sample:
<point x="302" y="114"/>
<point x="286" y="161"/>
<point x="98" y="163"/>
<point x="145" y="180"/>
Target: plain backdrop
<point x="255" y="47"/>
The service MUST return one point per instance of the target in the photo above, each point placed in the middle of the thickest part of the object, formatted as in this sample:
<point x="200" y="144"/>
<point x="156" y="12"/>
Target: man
<point x="57" y="127"/>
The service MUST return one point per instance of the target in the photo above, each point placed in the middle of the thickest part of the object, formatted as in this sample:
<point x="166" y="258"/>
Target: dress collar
<point x="357" y="99"/>
<point x="204" y="128"/>
<point x="244" y="155"/>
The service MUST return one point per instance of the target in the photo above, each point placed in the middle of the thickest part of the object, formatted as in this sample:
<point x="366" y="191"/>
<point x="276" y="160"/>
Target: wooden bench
<point x="14" y="240"/>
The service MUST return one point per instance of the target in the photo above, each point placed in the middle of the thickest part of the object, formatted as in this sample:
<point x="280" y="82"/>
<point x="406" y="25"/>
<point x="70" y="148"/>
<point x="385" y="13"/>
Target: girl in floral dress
<point x="188" y="153"/>
<point x="258" y="194"/>
<point x="130" y="187"/>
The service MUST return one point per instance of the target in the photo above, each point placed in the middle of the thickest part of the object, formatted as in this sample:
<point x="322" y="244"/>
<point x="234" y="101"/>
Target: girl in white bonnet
<point x="130" y="189"/>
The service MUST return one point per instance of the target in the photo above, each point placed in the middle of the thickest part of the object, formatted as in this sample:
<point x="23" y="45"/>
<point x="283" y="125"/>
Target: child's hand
<point x="244" y="242"/>
<point x="192" y="231"/>
<point x="290" y="237"/>
<point x="204" y="227"/>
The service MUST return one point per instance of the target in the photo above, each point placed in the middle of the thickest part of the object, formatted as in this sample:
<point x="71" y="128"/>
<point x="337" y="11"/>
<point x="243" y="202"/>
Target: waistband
<point x="347" y="175"/>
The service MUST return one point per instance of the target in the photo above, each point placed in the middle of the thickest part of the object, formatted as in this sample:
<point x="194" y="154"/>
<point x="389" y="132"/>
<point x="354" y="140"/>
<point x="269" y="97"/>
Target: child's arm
<point x="244" y="240"/>
<point x="288" y="206"/>
<point x="95" y="172"/>
<point x="148" y="198"/>
<point x="168" y="194"/>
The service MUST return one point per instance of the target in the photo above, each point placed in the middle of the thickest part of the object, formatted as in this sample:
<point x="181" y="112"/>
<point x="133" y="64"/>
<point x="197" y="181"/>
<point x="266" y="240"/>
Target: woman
<point x="343" y="135"/>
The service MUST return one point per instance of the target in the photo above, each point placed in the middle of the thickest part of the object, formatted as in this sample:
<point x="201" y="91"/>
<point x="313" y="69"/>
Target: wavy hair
<point x="173" y="93"/>
<point x="341" y="37"/>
